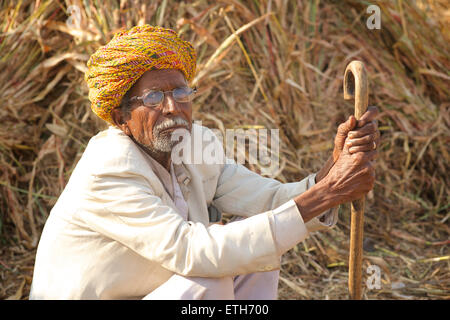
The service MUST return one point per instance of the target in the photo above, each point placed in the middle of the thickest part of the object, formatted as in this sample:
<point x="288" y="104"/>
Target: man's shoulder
<point x="112" y="149"/>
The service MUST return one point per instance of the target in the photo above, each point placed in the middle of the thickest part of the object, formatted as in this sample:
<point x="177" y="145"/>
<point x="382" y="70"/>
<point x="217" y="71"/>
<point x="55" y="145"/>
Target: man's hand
<point x="350" y="178"/>
<point x="348" y="174"/>
<point x="363" y="133"/>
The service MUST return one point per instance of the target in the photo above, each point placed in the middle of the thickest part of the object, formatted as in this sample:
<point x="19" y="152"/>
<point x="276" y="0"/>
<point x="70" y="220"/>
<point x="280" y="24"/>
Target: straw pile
<point x="284" y="70"/>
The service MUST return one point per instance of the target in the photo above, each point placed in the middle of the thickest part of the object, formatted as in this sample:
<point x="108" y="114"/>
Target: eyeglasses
<point x="154" y="98"/>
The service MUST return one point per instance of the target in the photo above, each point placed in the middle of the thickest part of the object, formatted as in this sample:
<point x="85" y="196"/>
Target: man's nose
<point x="170" y="106"/>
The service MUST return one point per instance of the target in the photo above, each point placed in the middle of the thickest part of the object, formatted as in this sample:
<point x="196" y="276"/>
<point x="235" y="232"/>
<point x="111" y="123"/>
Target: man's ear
<point x="120" y="120"/>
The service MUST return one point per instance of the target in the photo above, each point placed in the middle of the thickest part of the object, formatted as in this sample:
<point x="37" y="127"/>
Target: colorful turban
<point x="115" y="67"/>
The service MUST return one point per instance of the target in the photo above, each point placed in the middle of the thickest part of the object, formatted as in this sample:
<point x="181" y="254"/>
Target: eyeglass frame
<point x="141" y="98"/>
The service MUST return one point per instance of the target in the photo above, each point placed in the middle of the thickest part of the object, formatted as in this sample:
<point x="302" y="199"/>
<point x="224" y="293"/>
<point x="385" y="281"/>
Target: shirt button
<point x="183" y="178"/>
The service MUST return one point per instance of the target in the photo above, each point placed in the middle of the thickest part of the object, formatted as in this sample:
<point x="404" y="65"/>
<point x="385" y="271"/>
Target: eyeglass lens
<point x="179" y="94"/>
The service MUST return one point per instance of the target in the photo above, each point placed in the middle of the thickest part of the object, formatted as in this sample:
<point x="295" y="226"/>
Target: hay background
<point x="286" y="72"/>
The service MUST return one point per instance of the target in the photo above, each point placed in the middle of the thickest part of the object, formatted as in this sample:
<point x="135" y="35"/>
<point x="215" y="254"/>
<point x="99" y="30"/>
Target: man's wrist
<point x="314" y="201"/>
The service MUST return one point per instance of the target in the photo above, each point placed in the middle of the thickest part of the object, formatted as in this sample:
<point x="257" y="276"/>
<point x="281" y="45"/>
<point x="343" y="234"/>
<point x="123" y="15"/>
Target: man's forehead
<point x="165" y="79"/>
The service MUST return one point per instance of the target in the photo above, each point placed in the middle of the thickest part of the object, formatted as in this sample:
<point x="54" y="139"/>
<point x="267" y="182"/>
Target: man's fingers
<point x="364" y="144"/>
<point x="370" y="115"/>
<point x="363" y="148"/>
<point x="347" y="144"/>
<point x="369" y="128"/>
<point x="368" y="139"/>
<point x="348" y="125"/>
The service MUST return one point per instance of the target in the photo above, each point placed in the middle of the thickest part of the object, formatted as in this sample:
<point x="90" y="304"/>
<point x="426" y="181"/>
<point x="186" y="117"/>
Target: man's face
<point x="152" y="127"/>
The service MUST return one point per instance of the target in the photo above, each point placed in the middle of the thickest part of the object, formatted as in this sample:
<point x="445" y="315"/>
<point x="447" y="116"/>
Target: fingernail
<point x="351" y="134"/>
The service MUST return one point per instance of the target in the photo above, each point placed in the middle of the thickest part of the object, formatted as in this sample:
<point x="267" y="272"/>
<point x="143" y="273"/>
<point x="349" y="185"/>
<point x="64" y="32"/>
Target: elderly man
<point x="133" y="224"/>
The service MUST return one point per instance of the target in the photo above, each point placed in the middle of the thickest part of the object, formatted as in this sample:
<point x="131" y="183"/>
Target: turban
<point x="115" y="67"/>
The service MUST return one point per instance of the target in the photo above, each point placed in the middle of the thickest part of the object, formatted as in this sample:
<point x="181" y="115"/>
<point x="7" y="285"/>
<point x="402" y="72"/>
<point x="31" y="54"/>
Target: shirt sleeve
<point x="283" y="218"/>
<point x="242" y="192"/>
<point x="288" y="214"/>
<point x="122" y="207"/>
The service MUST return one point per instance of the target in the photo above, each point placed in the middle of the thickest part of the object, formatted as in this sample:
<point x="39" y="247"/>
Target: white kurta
<point x="119" y="232"/>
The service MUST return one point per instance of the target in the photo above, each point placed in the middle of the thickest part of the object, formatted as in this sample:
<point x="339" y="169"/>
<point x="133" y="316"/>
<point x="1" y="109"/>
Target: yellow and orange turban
<point x="115" y="67"/>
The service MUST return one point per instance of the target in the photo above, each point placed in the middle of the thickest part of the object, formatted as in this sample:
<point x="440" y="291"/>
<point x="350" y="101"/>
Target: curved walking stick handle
<point x="356" y="86"/>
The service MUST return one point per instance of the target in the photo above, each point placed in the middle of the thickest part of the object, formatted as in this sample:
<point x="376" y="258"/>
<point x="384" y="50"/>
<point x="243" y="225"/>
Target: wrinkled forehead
<point x="165" y="79"/>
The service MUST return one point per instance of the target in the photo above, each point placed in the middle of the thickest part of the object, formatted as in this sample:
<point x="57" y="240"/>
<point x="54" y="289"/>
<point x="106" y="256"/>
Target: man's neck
<point x="163" y="158"/>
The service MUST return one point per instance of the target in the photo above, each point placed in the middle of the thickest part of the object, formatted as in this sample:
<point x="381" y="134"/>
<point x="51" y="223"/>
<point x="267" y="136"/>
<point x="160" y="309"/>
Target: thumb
<point x="341" y="136"/>
<point x="347" y="126"/>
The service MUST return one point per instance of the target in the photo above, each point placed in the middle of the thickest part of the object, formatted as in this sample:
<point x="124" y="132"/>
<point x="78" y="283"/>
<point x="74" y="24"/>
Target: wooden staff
<point x="355" y="86"/>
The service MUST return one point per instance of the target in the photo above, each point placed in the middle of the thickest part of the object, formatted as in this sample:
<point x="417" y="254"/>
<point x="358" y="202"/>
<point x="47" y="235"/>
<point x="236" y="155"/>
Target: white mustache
<point x="171" y="123"/>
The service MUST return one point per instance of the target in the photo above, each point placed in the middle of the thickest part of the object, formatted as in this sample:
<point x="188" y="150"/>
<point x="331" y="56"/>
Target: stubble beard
<point x="162" y="141"/>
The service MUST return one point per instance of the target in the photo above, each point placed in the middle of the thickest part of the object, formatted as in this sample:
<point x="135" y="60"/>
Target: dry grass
<point x="284" y="70"/>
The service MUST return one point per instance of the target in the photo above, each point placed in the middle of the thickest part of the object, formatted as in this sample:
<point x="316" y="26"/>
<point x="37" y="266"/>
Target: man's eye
<point x="152" y="97"/>
<point x="182" y="94"/>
